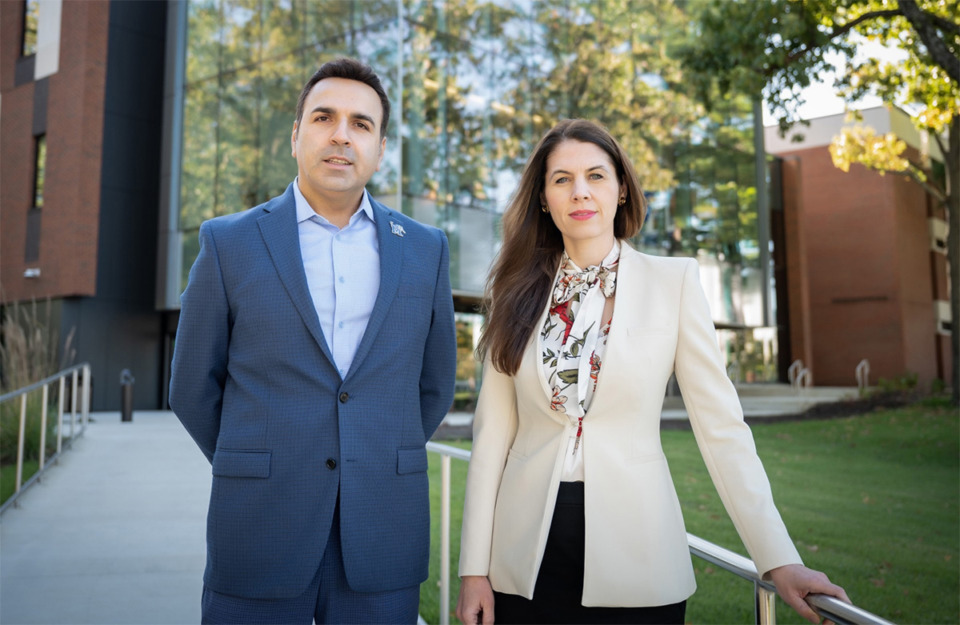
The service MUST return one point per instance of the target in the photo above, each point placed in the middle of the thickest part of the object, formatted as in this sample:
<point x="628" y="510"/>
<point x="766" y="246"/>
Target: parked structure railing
<point x="79" y="377"/>
<point x="799" y="376"/>
<point x="862" y="373"/>
<point x="764" y="591"/>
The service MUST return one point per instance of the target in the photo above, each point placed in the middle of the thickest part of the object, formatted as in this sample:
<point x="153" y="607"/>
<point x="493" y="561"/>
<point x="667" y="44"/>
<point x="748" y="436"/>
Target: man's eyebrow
<point x="354" y="115"/>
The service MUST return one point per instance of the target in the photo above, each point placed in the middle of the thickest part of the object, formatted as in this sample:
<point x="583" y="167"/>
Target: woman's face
<point x="582" y="191"/>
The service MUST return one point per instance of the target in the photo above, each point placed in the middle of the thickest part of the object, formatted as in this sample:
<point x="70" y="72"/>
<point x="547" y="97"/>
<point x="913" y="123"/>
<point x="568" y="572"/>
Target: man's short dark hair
<point x="350" y="69"/>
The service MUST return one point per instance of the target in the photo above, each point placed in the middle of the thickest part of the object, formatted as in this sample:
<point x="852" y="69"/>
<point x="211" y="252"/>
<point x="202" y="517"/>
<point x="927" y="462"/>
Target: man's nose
<point x="341" y="134"/>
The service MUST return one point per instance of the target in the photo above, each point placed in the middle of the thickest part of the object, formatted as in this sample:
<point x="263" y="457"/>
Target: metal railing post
<point x="86" y="397"/>
<point x="444" y="539"/>
<point x="765" y="605"/>
<point x="63" y="387"/>
<point x="73" y="406"/>
<point x="43" y="423"/>
<point x="23" y="423"/>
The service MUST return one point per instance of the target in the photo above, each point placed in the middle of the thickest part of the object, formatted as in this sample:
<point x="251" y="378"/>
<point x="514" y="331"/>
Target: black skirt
<point x="556" y="597"/>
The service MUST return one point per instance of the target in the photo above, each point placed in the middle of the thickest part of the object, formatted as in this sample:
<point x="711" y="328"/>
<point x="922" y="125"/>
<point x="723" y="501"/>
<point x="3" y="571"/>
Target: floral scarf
<point x="572" y="330"/>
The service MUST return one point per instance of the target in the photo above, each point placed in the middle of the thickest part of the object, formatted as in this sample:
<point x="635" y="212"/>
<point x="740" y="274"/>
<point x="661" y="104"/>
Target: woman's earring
<point x="622" y="201"/>
<point x="544" y="209"/>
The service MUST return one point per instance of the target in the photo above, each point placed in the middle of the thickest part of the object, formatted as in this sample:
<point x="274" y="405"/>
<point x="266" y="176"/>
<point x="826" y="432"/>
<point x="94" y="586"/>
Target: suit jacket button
<point x="344" y="397"/>
<point x="331" y="464"/>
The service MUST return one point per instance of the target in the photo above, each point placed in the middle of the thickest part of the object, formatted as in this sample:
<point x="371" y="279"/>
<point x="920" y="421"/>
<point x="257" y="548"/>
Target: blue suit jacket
<point x="256" y="387"/>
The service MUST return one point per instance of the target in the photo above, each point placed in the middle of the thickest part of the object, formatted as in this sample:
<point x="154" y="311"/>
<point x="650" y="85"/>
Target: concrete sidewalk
<point x="116" y="532"/>
<point x="759" y="402"/>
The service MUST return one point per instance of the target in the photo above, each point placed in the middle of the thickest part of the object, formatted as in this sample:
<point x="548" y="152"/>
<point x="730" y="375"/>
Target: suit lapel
<point x="532" y="366"/>
<point x="391" y="259"/>
<point x="627" y="304"/>
<point x="278" y="226"/>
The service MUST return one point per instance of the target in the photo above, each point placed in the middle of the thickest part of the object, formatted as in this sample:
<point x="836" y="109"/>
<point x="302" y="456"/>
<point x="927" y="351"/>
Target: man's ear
<point x="293" y="140"/>
<point x="383" y="150"/>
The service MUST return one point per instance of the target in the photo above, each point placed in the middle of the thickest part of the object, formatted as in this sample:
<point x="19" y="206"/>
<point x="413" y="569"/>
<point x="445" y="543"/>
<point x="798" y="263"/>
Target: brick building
<point x="80" y="137"/>
<point x="866" y="265"/>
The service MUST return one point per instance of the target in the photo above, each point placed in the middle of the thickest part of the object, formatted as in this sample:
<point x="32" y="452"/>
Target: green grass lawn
<point x="8" y="477"/>
<point x="871" y="500"/>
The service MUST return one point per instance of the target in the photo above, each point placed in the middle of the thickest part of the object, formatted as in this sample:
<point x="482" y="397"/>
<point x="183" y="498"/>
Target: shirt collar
<point x="305" y="212"/>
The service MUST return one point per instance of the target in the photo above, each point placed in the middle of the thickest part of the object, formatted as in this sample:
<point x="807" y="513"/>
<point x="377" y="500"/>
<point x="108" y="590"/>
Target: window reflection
<point x="479" y="83"/>
<point x="39" y="169"/>
<point x="31" y="18"/>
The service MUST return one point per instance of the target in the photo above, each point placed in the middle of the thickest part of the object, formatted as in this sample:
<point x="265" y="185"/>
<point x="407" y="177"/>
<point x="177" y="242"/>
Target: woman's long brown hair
<point x="522" y="276"/>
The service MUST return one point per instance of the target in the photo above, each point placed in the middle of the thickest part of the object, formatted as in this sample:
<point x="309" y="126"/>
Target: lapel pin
<point x="397" y="229"/>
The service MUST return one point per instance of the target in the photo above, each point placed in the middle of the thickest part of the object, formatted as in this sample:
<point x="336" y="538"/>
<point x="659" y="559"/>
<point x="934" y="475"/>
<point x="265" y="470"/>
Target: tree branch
<point x="926" y="25"/>
<point x="945" y="24"/>
<point x="943" y="148"/>
<point x="870" y="15"/>
<point x="918" y="175"/>
<point x="839" y="31"/>
<point x="928" y="34"/>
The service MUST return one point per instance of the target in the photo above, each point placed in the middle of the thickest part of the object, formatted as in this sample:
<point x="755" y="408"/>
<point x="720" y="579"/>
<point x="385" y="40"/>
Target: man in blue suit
<point x="314" y="358"/>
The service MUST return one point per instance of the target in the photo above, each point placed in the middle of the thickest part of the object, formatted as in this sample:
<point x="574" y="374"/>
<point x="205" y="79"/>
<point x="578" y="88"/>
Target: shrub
<point x="29" y="352"/>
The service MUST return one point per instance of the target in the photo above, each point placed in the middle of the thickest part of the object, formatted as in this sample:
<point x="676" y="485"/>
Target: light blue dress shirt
<point x="343" y="274"/>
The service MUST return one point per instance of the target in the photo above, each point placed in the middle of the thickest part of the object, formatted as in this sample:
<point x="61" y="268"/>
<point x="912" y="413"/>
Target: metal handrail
<point x="74" y="373"/>
<point x="764" y="591"/>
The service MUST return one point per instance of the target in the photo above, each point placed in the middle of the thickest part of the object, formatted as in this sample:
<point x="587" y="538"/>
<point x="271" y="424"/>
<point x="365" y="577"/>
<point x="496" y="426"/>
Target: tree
<point x="778" y="47"/>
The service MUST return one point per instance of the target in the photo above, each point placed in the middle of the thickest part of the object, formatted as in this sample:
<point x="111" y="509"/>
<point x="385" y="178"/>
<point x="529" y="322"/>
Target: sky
<point x="821" y="98"/>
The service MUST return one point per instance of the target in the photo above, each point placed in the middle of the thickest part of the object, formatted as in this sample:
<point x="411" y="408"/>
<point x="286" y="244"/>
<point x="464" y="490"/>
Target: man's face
<point x="337" y="142"/>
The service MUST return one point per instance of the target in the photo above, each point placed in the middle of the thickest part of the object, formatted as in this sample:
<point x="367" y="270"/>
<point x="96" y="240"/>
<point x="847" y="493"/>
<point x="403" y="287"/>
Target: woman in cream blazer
<point x="635" y="548"/>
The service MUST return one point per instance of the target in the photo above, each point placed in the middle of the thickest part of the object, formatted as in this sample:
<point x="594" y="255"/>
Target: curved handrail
<point x="828" y="607"/>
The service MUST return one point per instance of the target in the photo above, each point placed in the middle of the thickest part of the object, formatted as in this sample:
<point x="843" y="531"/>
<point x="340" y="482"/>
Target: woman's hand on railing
<point x="795" y="581"/>
<point x="475" y="604"/>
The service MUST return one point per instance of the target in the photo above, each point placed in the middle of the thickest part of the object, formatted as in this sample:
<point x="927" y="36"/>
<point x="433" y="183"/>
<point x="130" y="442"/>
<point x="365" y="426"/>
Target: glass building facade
<point x="474" y="84"/>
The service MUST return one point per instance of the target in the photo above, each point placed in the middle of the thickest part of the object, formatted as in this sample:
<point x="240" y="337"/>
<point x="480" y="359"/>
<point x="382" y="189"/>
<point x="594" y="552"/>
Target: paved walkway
<point x="115" y="533"/>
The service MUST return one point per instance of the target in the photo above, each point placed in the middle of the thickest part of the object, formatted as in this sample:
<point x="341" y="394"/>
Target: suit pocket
<point x="234" y="463"/>
<point x="516" y="456"/>
<point x="411" y="460"/>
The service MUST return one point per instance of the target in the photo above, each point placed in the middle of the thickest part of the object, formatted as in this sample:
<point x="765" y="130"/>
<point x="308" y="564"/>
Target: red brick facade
<point x="862" y="277"/>
<point x="74" y="135"/>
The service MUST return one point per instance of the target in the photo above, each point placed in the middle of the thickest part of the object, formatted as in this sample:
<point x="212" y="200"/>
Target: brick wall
<point x="74" y="135"/>
<point x="863" y="279"/>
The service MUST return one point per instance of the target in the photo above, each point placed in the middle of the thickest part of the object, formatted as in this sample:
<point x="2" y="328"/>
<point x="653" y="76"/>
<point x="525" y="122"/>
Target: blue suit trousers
<point x="328" y="599"/>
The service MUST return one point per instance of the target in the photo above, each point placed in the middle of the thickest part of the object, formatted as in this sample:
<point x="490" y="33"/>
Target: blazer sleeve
<point x="199" y="367"/>
<point x="725" y="440"/>
<point x="439" y="351"/>
<point x="494" y="430"/>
